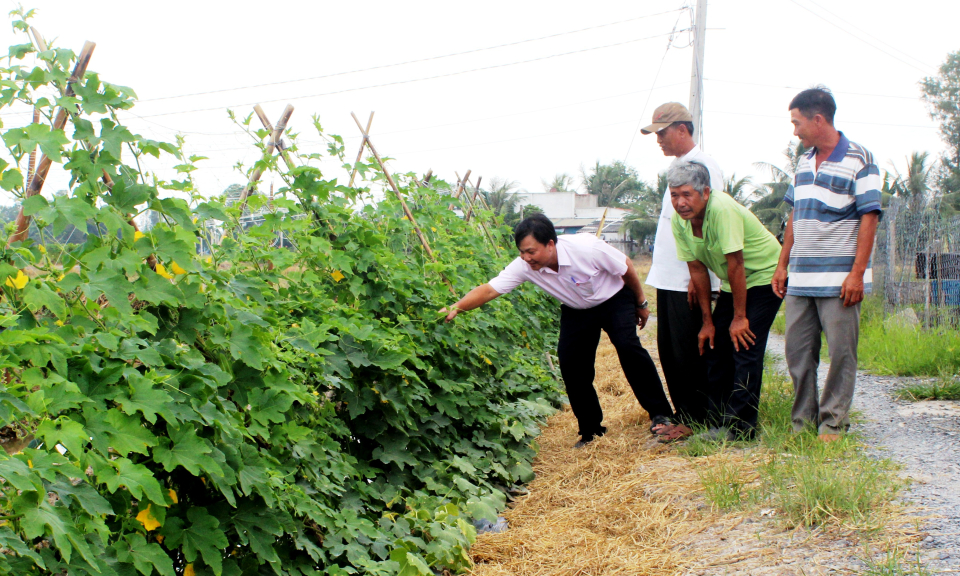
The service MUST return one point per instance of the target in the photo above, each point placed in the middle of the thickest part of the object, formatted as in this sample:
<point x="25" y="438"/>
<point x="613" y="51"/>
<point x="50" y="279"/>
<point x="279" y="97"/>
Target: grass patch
<point x="890" y="347"/>
<point x="894" y="562"/>
<point x="808" y="482"/>
<point x="946" y="387"/>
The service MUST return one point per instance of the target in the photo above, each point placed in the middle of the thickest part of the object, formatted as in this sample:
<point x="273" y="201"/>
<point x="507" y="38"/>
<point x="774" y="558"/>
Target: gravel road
<point x="925" y="438"/>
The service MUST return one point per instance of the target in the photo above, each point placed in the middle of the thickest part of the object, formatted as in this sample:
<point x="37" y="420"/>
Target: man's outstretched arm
<point x="474" y="299"/>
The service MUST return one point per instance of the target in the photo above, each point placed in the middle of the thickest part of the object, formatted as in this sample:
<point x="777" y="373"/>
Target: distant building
<point x="572" y="213"/>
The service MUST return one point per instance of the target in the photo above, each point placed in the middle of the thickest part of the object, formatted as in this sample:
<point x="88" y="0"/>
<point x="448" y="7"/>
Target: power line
<point x="785" y="119"/>
<point x="786" y="87"/>
<point x="417" y="61"/>
<point x="880" y="40"/>
<point x="652" y="86"/>
<point x="413" y="80"/>
<point x="845" y="31"/>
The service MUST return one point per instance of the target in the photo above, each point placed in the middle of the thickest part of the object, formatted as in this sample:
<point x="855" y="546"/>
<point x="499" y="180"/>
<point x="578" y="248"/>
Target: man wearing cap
<point x="599" y="289"/>
<point x="827" y="245"/>
<point x="678" y="310"/>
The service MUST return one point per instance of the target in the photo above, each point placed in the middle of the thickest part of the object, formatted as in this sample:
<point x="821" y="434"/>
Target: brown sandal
<point x="674" y="433"/>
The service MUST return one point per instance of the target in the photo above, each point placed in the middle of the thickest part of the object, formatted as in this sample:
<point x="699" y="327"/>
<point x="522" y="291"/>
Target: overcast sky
<point x="544" y="88"/>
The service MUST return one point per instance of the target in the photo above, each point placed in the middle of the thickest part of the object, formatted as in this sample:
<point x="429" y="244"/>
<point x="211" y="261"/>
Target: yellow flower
<point x="337" y="275"/>
<point x="487" y="360"/>
<point x="173" y="496"/>
<point x="19" y="282"/>
<point x="432" y="228"/>
<point x="138" y="235"/>
<point x="61" y="277"/>
<point x="42" y="249"/>
<point x="147" y="519"/>
<point x="208" y="259"/>
<point x="160" y="538"/>
<point x="177" y="269"/>
<point x="59" y="322"/>
<point x="30" y="463"/>
<point x="163" y="272"/>
<point x="188" y="570"/>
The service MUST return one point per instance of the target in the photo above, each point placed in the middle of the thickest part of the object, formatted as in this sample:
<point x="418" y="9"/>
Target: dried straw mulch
<point x="619" y="506"/>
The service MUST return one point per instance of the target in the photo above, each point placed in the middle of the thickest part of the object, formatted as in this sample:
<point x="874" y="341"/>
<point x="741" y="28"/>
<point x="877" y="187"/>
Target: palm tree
<point x="740" y="190"/>
<point x="770" y="207"/>
<point x="915" y="182"/>
<point x="614" y="185"/>
<point x="501" y="197"/>
<point x="560" y="183"/>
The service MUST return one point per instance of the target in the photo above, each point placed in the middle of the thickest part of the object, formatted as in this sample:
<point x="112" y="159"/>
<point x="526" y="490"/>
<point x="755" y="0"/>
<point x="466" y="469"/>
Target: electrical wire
<point x="413" y="80"/>
<point x="652" y="86"/>
<point x="416" y="61"/>
<point x="845" y="31"/>
<point x="785" y="87"/>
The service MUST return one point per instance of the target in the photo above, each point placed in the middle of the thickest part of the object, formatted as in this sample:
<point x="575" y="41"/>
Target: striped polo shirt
<point x="827" y="206"/>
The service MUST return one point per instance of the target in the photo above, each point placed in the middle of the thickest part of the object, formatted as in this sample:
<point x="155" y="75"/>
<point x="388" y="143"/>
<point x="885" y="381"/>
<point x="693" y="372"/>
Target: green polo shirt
<point x="728" y="227"/>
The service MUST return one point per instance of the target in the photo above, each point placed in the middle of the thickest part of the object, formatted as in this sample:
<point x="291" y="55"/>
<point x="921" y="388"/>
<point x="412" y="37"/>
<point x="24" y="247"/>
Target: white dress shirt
<point x="590" y="272"/>
<point x="666" y="271"/>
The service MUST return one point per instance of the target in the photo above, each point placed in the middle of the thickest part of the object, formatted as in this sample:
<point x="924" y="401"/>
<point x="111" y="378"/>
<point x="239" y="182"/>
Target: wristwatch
<point x="643" y="305"/>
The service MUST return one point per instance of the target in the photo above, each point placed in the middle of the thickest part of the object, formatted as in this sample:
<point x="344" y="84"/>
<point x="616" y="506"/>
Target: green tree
<point x="769" y="206"/>
<point x="560" y="183"/>
<point x="614" y="185"/>
<point x="740" y="190"/>
<point x="521" y="212"/>
<point x="941" y="93"/>
<point x="501" y="197"/>
<point x="641" y="223"/>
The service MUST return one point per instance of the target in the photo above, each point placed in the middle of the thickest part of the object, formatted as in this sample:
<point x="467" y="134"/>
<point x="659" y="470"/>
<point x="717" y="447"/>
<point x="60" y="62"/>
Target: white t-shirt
<point x="666" y="271"/>
<point x="590" y="272"/>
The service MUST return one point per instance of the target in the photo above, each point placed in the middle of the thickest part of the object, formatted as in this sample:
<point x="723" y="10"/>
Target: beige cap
<point x="667" y="114"/>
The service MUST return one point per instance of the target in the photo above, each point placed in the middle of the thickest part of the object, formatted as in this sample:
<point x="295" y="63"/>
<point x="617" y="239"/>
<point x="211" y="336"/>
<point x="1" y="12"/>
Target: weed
<point x="723" y="482"/>
<point x="904" y="350"/>
<point x="945" y="387"/>
<point x="893" y="562"/>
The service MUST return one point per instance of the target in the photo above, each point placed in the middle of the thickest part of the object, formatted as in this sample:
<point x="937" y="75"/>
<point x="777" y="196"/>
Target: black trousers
<point x="683" y="367"/>
<point x="735" y="377"/>
<point x="577" y="350"/>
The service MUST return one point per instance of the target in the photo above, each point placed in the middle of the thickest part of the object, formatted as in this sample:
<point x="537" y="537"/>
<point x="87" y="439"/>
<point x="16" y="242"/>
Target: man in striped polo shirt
<point x="827" y="244"/>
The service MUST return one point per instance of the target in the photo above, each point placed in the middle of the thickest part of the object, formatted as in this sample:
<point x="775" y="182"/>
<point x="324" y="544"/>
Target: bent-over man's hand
<point x="707" y="332"/>
<point x="779" y="283"/>
<point x="451" y="313"/>
<point x="852" y="289"/>
<point x="740" y="334"/>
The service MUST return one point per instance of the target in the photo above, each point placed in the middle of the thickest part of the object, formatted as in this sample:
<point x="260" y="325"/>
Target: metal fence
<point x="916" y="262"/>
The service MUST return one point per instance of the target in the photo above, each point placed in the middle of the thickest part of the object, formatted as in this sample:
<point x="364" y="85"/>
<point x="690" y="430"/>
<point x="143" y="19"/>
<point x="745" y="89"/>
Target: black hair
<point x="813" y="101"/>
<point x="687" y="125"/>
<point x="539" y="226"/>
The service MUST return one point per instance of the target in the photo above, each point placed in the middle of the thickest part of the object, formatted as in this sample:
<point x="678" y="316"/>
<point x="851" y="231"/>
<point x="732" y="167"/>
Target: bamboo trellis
<point x="396" y="190"/>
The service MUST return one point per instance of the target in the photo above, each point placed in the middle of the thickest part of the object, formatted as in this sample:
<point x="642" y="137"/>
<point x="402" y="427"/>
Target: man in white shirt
<point x="599" y="290"/>
<point x="678" y="312"/>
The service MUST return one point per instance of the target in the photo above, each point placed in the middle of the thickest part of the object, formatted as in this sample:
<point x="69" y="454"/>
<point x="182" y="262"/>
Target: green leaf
<point x="82" y="494"/>
<point x="46" y="519"/>
<point x="202" y="537"/>
<point x="410" y="564"/>
<point x="11" y="541"/>
<point x="11" y="179"/>
<point x="137" y="478"/>
<point x="189" y="451"/>
<point x="64" y="431"/>
<point x="144" y="398"/>
<point x="146" y="556"/>
<point x="38" y="295"/>
<point x="117" y="431"/>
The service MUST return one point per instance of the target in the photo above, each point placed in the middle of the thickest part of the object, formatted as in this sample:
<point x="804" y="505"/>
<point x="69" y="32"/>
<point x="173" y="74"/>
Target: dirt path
<point x="627" y="505"/>
<point x="925" y="438"/>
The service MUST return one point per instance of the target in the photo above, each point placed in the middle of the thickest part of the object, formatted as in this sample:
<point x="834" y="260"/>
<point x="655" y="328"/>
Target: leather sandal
<point x="674" y="433"/>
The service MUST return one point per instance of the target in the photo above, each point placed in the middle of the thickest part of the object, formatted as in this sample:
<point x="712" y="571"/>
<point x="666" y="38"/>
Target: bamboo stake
<point x="32" y="165"/>
<point x="473" y="203"/>
<point x="43" y="167"/>
<point x="428" y="176"/>
<point x="283" y="152"/>
<point x="280" y="145"/>
<point x="363" y="143"/>
<point x="486" y="231"/>
<point x="406" y="209"/>
<point x="271" y="145"/>
<point x="461" y="184"/>
<point x="107" y="180"/>
<point x="603" y="220"/>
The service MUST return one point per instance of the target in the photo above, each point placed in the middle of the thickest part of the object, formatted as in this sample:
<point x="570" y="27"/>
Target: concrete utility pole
<point x="696" y="71"/>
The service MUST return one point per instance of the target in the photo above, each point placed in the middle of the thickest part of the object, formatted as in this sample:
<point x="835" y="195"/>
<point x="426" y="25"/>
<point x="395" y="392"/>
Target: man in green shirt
<point x="713" y="231"/>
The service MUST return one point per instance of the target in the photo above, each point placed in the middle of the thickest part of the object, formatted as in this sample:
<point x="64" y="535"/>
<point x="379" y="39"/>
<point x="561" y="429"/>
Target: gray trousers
<point x="807" y="317"/>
